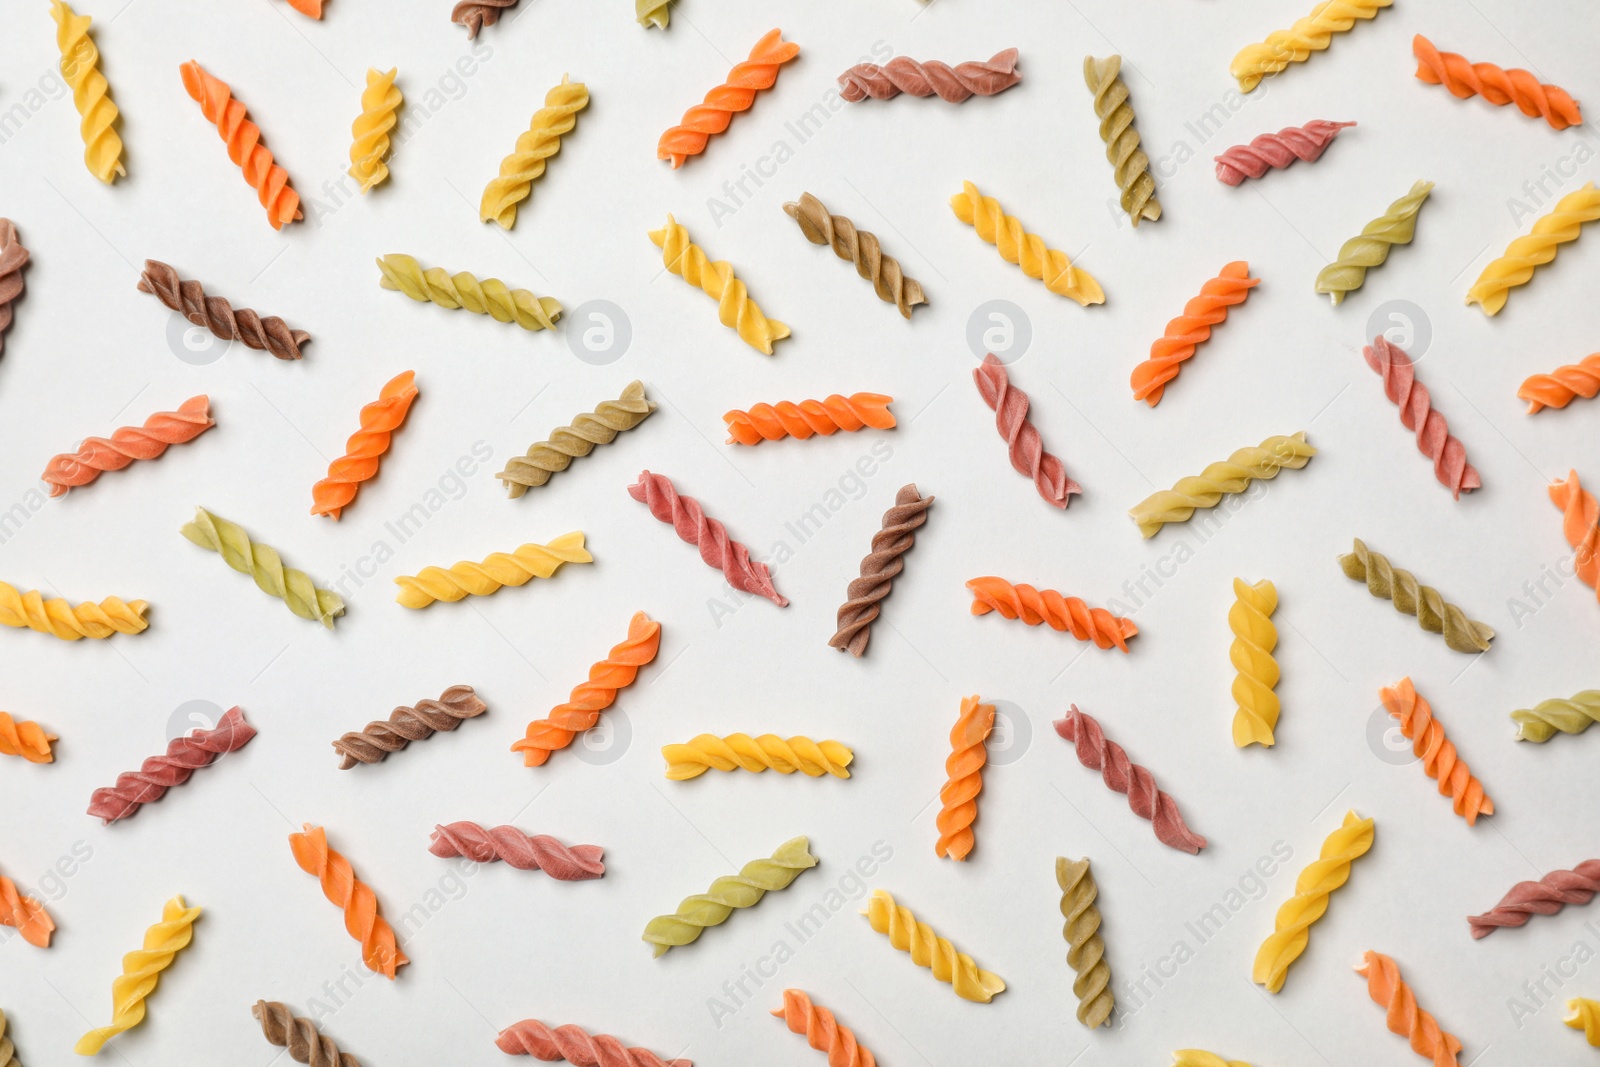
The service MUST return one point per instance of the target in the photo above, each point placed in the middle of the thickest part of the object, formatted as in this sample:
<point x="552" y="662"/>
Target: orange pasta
<point x="582" y="709"/>
<point x="309" y="8"/>
<point x="365" y="447"/>
<point x="1580" y="522"/>
<point x="24" y="913"/>
<point x="736" y="94"/>
<point x="243" y="138"/>
<point x="341" y="886"/>
<point x="25" y="739"/>
<point x="964" y="778"/>
<point x="1386" y="987"/>
<point x="1066" y="614"/>
<point x="1563" y="385"/>
<point x="1188" y="331"/>
<point x="1438" y="754"/>
<point x="768" y="422"/>
<point x="1495" y="84"/>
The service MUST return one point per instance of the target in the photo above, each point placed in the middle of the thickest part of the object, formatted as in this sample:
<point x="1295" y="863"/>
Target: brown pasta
<point x="860" y="248"/>
<point x="405" y="725"/>
<point x="270" y="334"/>
<point x="299" y="1035"/>
<point x="879" y="569"/>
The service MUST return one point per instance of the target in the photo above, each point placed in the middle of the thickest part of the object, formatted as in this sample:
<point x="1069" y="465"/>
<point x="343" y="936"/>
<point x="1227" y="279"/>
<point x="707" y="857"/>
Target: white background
<point x="89" y="353"/>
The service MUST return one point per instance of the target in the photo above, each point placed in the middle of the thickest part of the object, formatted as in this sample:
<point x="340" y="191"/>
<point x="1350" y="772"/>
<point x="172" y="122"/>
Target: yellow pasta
<point x="1515" y="267"/>
<point x="490" y="297"/>
<point x="466" y="578"/>
<point x="1311" y="34"/>
<point x="1195" y="1057"/>
<point x="80" y="67"/>
<point x="1254" y="638"/>
<point x="767" y="752"/>
<point x="652" y="13"/>
<point x="68" y="621"/>
<point x="1586" y="1017"/>
<point x="1026" y="250"/>
<point x="539" y="142"/>
<point x="141" y="970"/>
<point x="715" y="278"/>
<point x="909" y="934"/>
<point x="1291" y="928"/>
<point x="380" y="100"/>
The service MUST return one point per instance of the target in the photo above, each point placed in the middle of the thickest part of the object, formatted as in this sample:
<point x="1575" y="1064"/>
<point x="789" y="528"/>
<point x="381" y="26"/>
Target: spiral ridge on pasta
<point x="97" y="454"/>
<point x="188" y="299"/>
<point x="727" y="894"/>
<point x="67" y="621"/>
<point x="8" y="1050"/>
<point x="80" y="68"/>
<point x="902" y="74"/>
<point x="20" y="737"/>
<point x="265" y="566"/>
<point x="1292" y="925"/>
<point x="707" y="752"/>
<point x="525" y="164"/>
<point x="1386" y="987"/>
<point x="1586" y="1017"/>
<point x="1128" y="160"/>
<point x="1580" y="524"/>
<point x="405" y="725"/>
<point x="530" y="1037"/>
<point x="25" y="915"/>
<point x="910" y="934"/>
<point x="716" y="279"/>
<point x="769" y="422"/>
<point x="1188" y="331"/>
<point x="1086" y="950"/>
<point x="355" y="897"/>
<point x="881" y="565"/>
<point x="200" y="748"/>
<point x="692" y="525"/>
<point x="1572" y="715"/>
<point x="369" y="144"/>
<point x="1410" y="597"/>
<point x="1255" y="715"/>
<point x="963" y="768"/>
<point x="1312" y="33"/>
<point x="1563" y="385"/>
<point x="1272" y="151"/>
<point x="243" y="137"/>
<point x="499" y="569"/>
<point x="736" y="93"/>
<point x="652" y="13"/>
<point x="13" y="257"/>
<point x="489" y="297"/>
<point x="583" y="707"/>
<point x="309" y="8"/>
<point x="141" y="971"/>
<point x="525" y="852"/>
<point x="299" y="1035"/>
<point x="1560" y="225"/>
<point x="1438" y="753"/>
<point x="1396" y="226"/>
<point x="476" y="14"/>
<point x="822" y="1031"/>
<point x="1121" y="775"/>
<point x="365" y="448"/>
<point x="1418" y="414"/>
<point x="859" y="247"/>
<point x="567" y="443"/>
<point x="1546" y="896"/>
<point x="1023" y="443"/>
<point x="1064" y="614"/>
<point x="1233" y="475"/>
<point x="1495" y="84"/>
<point x="1027" y="250"/>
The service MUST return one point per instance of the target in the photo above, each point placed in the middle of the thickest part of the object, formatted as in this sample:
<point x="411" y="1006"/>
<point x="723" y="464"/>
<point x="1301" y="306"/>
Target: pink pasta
<point x="184" y="756"/>
<point x="1418" y="414"/>
<point x="718" y="550"/>
<point x="1124" y="776"/>
<point x="525" y="852"/>
<point x="1023" y="444"/>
